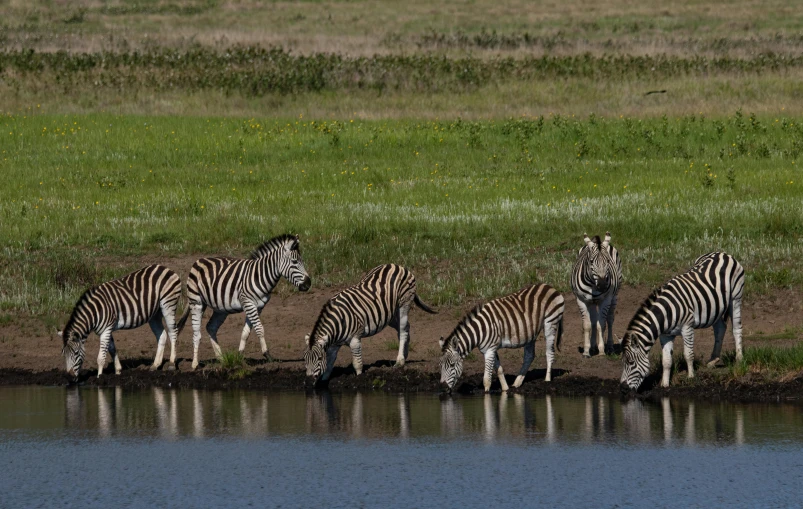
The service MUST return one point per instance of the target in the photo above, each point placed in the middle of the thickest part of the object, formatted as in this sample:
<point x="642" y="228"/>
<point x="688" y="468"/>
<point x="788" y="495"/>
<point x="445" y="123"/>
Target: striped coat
<point x="512" y="321"/>
<point x="705" y="296"/>
<point x="596" y="279"/>
<point x="144" y="296"/>
<point x="382" y="298"/>
<point x="234" y="285"/>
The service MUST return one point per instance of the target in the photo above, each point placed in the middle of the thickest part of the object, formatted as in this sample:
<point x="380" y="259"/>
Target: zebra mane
<point x="71" y="322"/>
<point x="269" y="245"/>
<point x="462" y="323"/>
<point x="645" y="305"/>
<point x="326" y="307"/>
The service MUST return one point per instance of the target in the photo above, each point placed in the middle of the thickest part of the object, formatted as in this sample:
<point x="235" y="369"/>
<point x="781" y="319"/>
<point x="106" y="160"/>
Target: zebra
<point x="512" y="321"/>
<point x="596" y="278"/>
<point x="382" y="297"/>
<point x="705" y="296"/>
<point x="234" y="285"/>
<point x="144" y="296"/>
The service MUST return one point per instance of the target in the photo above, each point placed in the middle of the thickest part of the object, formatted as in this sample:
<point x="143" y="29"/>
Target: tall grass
<point x="772" y="360"/>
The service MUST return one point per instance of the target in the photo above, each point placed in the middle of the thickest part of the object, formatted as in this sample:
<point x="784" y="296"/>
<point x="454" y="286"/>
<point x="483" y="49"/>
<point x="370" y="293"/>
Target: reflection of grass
<point x="233" y="364"/>
<point x="770" y="360"/>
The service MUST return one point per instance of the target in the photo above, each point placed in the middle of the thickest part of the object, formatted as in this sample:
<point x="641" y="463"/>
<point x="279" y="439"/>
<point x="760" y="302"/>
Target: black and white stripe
<point x="512" y="321"/>
<point x="382" y="297"/>
<point x="233" y="285"/>
<point x="144" y="296"/>
<point x="596" y="278"/>
<point x="705" y="296"/>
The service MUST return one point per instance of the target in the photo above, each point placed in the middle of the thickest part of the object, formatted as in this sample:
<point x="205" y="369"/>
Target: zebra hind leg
<point x="736" y="318"/>
<point x="719" y="334"/>
<point x="197" y="314"/>
<point x="403" y="328"/>
<point x="161" y="338"/>
<point x="169" y="314"/>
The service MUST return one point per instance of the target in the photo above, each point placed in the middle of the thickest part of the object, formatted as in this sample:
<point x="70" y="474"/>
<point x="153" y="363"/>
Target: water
<point x="90" y="447"/>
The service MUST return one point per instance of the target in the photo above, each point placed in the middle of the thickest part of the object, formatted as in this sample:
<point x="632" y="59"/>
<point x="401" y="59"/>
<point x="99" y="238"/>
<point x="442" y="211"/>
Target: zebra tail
<point x="424" y="306"/>
<point x="560" y="334"/>
<point x="183" y="320"/>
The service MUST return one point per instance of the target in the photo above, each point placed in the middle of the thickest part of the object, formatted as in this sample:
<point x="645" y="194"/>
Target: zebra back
<point x="699" y="297"/>
<point x="517" y="318"/>
<point x="597" y="272"/>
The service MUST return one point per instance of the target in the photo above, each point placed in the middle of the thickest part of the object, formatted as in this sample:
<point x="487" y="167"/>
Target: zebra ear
<point x="306" y="340"/>
<point x="60" y="333"/>
<point x="587" y="240"/>
<point x="607" y="239"/>
<point x="441" y="342"/>
<point x="294" y="245"/>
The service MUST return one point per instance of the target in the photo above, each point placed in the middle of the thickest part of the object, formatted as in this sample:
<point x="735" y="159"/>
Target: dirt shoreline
<point x="411" y="380"/>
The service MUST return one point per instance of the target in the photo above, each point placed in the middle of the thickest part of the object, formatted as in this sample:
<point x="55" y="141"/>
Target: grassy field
<point x="477" y="208"/>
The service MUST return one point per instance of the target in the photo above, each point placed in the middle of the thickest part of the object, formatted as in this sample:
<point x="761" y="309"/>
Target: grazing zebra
<point x="596" y="278"/>
<point x="233" y="285"/>
<point x="705" y="296"/>
<point x="512" y="321"/>
<point x="382" y="297"/>
<point x="144" y="296"/>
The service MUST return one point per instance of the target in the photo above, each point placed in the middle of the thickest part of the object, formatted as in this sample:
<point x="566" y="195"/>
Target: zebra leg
<point x="688" y="348"/>
<point x="529" y="356"/>
<point x="719" y="334"/>
<point x="586" y="316"/>
<point x="404" y="336"/>
<point x="667" y="343"/>
<point x="609" y="308"/>
<point x="118" y="368"/>
<point x="212" y="327"/>
<point x="597" y="320"/>
<point x="161" y="339"/>
<point x="245" y="334"/>
<point x="500" y="373"/>
<point x="105" y="336"/>
<point x="356" y="354"/>
<point x="169" y="315"/>
<point x="331" y="357"/>
<point x="197" y="311"/>
<point x="490" y="366"/>
<point x="550" y="334"/>
<point x="736" y="318"/>
<point x="252" y="315"/>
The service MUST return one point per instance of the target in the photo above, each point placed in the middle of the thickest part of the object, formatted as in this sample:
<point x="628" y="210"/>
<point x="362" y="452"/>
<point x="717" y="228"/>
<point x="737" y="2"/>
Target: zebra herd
<point x="705" y="296"/>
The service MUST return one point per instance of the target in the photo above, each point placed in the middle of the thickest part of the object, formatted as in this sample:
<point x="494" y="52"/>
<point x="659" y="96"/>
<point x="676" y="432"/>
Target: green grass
<point x="770" y="360"/>
<point x="233" y="364"/>
<point x="88" y="196"/>
<point x="788" y="333"/>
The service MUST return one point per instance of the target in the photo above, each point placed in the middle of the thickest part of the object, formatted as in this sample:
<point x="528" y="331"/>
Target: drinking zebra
<point x="233" y="285"/>
<point x="512" y="321"/>
<point x="596" y="278"/>
<point x="705" y="296"/>
<point x="382" y="297"/>
<point x="144" y="296"/>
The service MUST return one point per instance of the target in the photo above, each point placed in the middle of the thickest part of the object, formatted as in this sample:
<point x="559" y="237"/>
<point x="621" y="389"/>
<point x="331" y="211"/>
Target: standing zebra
<point x="596" y="278"/>
<point x="144" y="296"/>
<point x="512" y="321"/>
<point x="705" y="296"/>
<point x="382" y="297"/>
<point x="233" y="285"/>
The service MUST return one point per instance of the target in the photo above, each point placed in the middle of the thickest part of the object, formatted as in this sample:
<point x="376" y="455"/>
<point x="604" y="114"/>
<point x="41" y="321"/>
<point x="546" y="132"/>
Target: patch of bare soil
<point x="32" y="354"/>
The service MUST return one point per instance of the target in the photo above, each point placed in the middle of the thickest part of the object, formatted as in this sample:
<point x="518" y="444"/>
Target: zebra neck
<point x="270" y="270"/>
<point x="464" y="343"/>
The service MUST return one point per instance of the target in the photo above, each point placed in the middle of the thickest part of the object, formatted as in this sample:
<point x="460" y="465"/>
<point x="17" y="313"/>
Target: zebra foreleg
<point x="246" y="332"/>
<point x="597" y="319"/>
<point x="667" y="343"/>
<point x="529" y="356"/>
<point x="719" y="334"/>
<point x="404" y="337"/>
<point x="169" y="314"/>
<point x="197" y="311"/>
<point x="356" y="355"/>
<point x="118" y="368"/>
<point x="161" y="339"/>
<point x="550" y="334"/>
<point x="105" y="337"/>
<point x="586" y="316"/>
<point x="252" y="316"/>
<point x="331" y="357"/>
<point x="212" y="327"/>
<point x="500" y="373"/>
<point x="688" y="348"/>
<point x="607" y="310"/>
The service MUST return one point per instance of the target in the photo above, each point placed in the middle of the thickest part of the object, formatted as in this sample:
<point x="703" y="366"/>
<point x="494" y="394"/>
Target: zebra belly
<point x="511" y="343"/>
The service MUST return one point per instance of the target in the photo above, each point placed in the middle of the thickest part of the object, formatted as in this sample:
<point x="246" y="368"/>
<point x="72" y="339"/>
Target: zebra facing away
<point x="144" y="296"/>
<point x="705" y="296"/>
<point x="234" y="285"/>
<point x="512" y="321"/>
<point x="382" y="297"/>
<point x="596" y="278"/>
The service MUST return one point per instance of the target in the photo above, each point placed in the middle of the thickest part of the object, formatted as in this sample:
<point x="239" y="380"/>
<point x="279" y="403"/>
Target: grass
<point x="233" y="364"/>
<point x="770" y="360"/>
<point x="92" y="195"/>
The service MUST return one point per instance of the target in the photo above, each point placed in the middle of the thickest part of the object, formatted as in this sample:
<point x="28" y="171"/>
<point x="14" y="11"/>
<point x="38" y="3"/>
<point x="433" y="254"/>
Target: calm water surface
<point x="88" y="447"/>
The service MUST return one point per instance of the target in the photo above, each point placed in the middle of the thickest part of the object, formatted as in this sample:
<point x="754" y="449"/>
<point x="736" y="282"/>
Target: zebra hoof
<point x="268" y="357"/>
<point x="170" y="367"/>
<point x="713" y="363"/>
<point x="586" y="355"/>
<point x="153" y="367"/>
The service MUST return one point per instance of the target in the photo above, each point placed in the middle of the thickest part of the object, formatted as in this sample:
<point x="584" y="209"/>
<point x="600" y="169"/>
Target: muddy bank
<point x="707" y="386"/>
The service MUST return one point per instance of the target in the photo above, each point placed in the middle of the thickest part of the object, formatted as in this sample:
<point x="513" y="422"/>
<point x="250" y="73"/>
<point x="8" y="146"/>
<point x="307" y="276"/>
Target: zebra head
<point x="314" y="358"/>
<point x="73" y="351"/>
<point x="291" y="265"/>
<point x="635" y="360"/>
<point x="451" y="364"/>
<point x="600" y="262"/>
